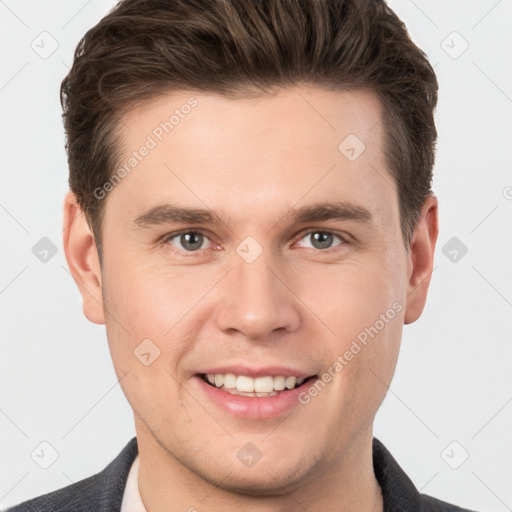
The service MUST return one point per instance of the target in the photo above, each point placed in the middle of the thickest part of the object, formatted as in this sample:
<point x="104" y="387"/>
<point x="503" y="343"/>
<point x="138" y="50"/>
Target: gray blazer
<point x="103" y="492"/>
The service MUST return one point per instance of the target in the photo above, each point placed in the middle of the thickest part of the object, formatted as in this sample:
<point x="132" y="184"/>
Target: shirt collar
<point x="132" y="501"/>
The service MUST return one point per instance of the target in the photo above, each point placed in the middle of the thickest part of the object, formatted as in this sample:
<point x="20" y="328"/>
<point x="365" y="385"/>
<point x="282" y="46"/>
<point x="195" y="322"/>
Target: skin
<point x="253" y="161"/>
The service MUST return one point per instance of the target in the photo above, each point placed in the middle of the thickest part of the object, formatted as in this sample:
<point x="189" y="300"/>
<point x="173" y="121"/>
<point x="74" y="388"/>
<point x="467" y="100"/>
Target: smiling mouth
<point x="243" y="385"/>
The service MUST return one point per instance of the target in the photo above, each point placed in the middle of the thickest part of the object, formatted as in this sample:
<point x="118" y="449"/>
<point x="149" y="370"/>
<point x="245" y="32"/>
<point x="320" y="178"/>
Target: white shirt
<point x="132" y="501"/>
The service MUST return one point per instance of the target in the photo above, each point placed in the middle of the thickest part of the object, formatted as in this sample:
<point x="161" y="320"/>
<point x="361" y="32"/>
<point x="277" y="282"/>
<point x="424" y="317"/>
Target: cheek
<point x="147" y="339"/>
<point x="350" y="297"/>
<point x="361" y="304"/>
<point x="136" y="313"/>
<point x="155" y="303"/>
<point x="150" y="300"/>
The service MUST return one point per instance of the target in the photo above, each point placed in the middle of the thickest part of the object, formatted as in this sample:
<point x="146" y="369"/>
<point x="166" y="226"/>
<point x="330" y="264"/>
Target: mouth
<point x="255" y="387"/>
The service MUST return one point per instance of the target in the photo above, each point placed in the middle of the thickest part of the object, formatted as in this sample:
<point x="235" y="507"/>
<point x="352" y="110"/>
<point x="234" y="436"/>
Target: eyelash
<point x="198" y="252"/>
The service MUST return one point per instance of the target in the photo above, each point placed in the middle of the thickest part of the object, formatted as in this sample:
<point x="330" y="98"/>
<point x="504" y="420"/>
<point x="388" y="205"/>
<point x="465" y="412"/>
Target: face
<point x="254" y="245"/>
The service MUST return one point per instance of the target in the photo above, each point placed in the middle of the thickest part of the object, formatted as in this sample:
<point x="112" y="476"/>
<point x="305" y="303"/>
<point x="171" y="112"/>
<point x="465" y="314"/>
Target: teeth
<point x="264" y="384"/>
<point x="248" y="386"/>
<point x="290" y="382"/>
<point x="279" y="383"/>
<point x="244" y="383"/>
<point x="230" y="380"/>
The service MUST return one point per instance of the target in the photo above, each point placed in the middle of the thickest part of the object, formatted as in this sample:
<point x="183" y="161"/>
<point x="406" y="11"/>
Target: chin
<point x="274" y="477"/>
<point x="262" y="483"/>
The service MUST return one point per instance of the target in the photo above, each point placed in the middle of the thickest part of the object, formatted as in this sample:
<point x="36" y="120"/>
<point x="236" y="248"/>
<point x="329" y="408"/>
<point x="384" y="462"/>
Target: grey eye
<point x="188" y="240"/>
<point x="321" y="239"/>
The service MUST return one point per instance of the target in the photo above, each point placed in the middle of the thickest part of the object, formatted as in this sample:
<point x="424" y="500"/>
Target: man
<point x="251" y="217"/>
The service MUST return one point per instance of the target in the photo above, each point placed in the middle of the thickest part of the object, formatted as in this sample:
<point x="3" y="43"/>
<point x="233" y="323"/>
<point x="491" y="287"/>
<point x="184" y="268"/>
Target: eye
<point x="194" y="241"/>
<point x="187" y="241"/>
<point x="322" y="240"/>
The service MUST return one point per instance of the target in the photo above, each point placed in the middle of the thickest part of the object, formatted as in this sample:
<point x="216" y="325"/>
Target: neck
<point x="349" y="484"/>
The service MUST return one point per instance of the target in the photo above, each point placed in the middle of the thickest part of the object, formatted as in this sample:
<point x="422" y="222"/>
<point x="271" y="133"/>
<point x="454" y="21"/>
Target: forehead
<point x="296" y="146"/>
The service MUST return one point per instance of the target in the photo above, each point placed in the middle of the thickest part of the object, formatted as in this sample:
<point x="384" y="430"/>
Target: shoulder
<point x="398" y="491"/>
<point x="429" y="504"/>
<point x="76" y="497"/>
<point x="102" y="491"/>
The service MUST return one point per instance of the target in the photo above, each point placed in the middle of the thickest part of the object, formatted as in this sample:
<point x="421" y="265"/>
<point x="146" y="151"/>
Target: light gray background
<point x="453" y="381"/>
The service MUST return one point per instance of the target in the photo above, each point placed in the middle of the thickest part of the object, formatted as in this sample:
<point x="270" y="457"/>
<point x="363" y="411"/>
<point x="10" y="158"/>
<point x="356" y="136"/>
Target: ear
<point x="82" y="257"/>
<point x="421" y="259"/>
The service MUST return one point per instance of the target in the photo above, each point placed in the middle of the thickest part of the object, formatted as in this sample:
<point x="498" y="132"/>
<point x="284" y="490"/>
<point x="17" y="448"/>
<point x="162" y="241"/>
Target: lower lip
<point x="252" y="407"/>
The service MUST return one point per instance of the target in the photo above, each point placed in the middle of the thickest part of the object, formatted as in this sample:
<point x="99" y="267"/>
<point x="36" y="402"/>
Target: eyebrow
<point x="168" y="213"/>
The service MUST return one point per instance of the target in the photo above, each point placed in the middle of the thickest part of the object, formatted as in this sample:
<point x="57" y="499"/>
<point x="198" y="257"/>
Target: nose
<point x="256" y="301"/>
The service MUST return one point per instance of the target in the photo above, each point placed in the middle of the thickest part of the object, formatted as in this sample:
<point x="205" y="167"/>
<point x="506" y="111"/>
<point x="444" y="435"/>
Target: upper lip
<point x="254" y="372"/>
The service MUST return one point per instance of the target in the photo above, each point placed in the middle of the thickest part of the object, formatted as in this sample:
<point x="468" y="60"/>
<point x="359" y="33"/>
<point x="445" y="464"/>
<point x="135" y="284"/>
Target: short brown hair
<point x="143" y="49"/>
